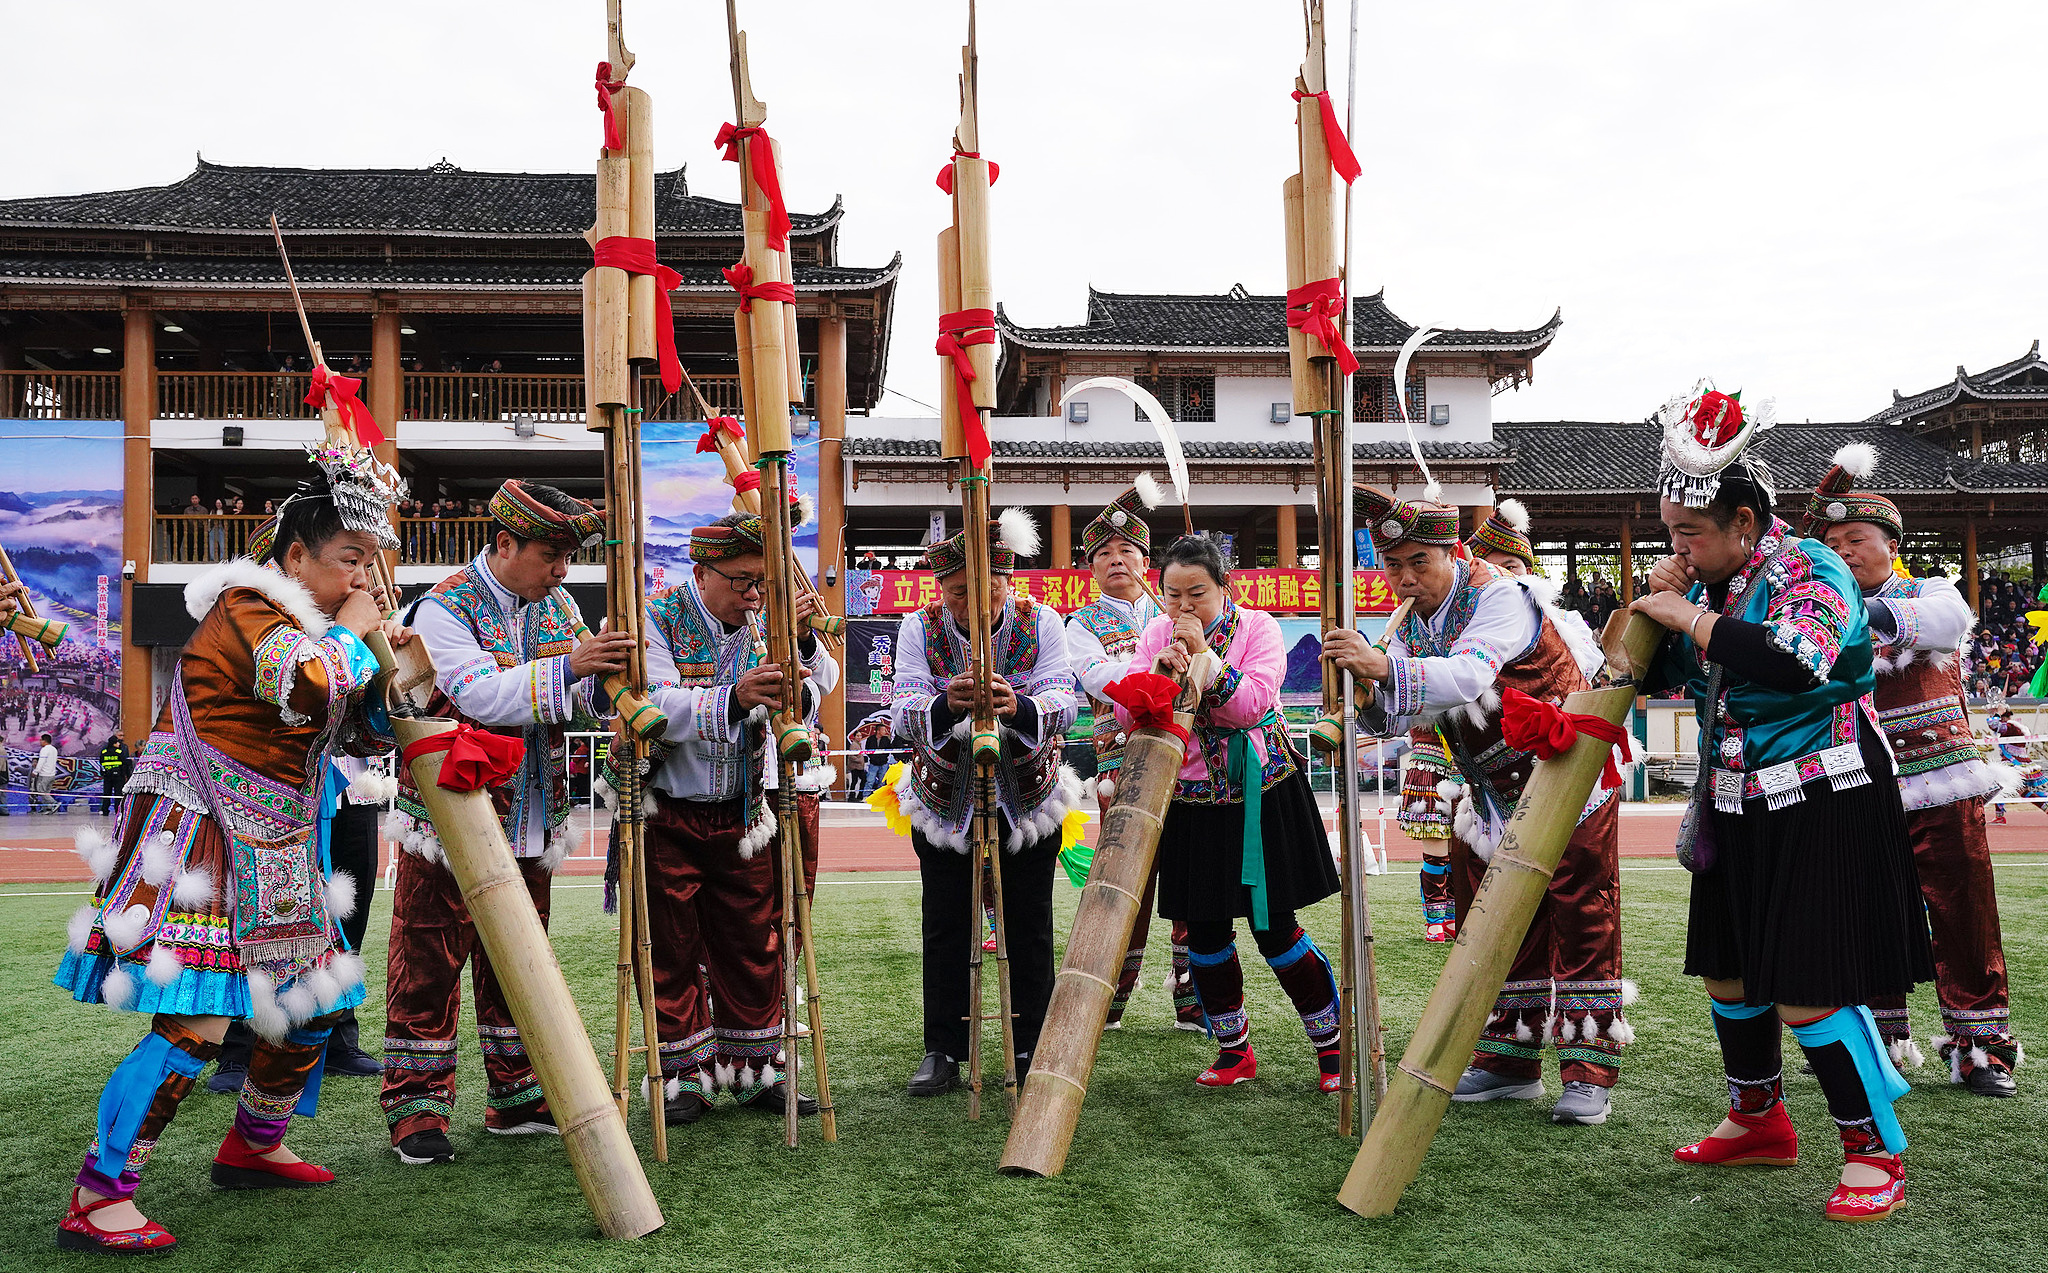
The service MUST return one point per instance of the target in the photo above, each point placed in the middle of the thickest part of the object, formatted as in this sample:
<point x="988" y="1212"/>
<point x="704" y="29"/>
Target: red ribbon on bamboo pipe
<point x="1314" y="308"/>
<point x="761" y="157"/>
<point x="636" y="256"/>
<point x="1342" y="161"/>
<point x="606" y="86"/>
<point x="741" y="276"/>
<point x="946" y="173"/>
<point x="1148" y="697"/>
<point x="957" y="331"/>
<point x="476" y="758"/>
<point x="353" y="413"/>
<point x="716" y="425"/>
<point x="1546" y="730"/>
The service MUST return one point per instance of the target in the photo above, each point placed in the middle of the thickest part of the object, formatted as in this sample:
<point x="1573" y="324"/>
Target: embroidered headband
<point x="519" y="512"/>
<point x="1394" y="520"/>
<point x="723" y="543"/>
<point x="1010" y="536"/>
<point x="1835" y="501"/>
<point x="1507" y="531"/>
<point x="1124" y="518"/>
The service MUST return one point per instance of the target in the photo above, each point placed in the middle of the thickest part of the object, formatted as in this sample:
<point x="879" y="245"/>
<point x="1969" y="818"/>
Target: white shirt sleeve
<point x="914" y="689"/>
<point x="695" y="712"/>
<point x="1050" y="683"/>
<point x="539" y="691"/>
<point x="1502" y="627"/>
<point x="1093" y="668"/>
<point x="1937" y="619"/>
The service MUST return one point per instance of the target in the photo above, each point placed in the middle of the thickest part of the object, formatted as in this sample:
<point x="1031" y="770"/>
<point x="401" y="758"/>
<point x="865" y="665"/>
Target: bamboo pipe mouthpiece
<point x="1327" y="734"/>
<point x="986" y="746"/>
<point x="792" y="740"/>
<point x="47" y="631"/>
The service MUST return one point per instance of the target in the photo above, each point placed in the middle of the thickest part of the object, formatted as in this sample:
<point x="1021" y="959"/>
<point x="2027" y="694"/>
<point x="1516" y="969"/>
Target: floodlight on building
<point x="1077" y="413"/>
<point x="1282" y="412"/>
<point x="522" y="426"/>
<point x="1439" y="413"/>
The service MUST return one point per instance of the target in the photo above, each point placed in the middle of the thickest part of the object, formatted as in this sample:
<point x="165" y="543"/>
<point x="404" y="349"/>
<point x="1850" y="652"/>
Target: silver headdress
<point x="1706" y="433"/>
<point x="363" y="488"/>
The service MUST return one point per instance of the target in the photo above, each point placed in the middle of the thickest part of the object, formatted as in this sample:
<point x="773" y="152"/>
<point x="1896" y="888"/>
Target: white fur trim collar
<point x="287" y="594"/>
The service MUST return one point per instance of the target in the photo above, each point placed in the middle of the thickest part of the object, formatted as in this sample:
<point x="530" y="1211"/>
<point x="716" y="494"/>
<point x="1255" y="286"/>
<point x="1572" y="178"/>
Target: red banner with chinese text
<point x="1276" y="590"/>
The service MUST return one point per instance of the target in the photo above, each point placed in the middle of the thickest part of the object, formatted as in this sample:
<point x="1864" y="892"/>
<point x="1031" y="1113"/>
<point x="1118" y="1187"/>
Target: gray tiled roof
<point x="1574" y="457"/>
<point x="1238" y="320"/>
<point x="315" y="274"/>
<point x="442" y="200"/>
<point x="2025" y="377"/>
<point x="928" y="449"/>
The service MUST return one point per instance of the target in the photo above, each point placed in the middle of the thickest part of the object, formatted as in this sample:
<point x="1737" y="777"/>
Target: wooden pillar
<point x="1970" y="560"/>
<point x="1571" y="558"/>
<point x="1062" y="537"/>
<point x="1290" y="550"/>
<point x="1626" y="563"/>
<point x="1480" y="512"/>
<point x="387" y="378"/>
<point x="831" y="400"/>
<point x="1248" y="541"/>
<point x="2040" y="547"/>
<point x="1976" y="439"/>
<point x="138" y="511"/>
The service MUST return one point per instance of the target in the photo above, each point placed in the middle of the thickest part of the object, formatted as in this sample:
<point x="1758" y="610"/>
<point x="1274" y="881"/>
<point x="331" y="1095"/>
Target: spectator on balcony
<point x="217" y="532"/>
<point x="868" y="561"/>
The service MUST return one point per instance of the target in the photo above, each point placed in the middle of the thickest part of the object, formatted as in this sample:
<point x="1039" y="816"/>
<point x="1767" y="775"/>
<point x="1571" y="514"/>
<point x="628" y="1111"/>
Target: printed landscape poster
<point x="685" y="488"/>
<point x="60" y="522"/>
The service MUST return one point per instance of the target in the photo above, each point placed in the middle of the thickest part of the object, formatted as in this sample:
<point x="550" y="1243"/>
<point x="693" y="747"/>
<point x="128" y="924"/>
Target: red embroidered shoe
<point x="1870" y="1202"/>
<point x="1767" y="1140"/>
<point x="1330" y="1064"/>
<point x="1233" y="1066"/>
<point x="1440" y="932"/>
<point x="77" y="1232"/>
<point x="237" y="1166"/>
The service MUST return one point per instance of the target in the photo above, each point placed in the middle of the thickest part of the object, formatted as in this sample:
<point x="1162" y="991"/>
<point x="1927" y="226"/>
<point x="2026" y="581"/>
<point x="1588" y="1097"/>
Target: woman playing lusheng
<point x="1804" y="899"/>
<point x="195" y="926"/>
<point x="1243" y="836"/>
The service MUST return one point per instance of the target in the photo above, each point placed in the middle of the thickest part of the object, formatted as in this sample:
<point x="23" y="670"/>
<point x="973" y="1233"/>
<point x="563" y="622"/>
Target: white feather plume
<point x="1514" y="513"/>
<point x="1149" y="493"/>
<point x="1857" y="459"/>
<point x="1019" y="531"/>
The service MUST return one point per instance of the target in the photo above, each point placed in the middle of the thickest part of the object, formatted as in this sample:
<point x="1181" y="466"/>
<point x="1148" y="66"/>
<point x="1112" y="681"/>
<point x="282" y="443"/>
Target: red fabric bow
<point x="761" y="157"/>
<point x="1314" y="308"/>
<point x="749" y="480"/>
<point x="956" y="332"/>
<point x="1342" y="161"/>
<point x="716" y="425"/>
<point x="946" y="173"/>
<point x="353" y="413"/>
<point x="741" y="276"/>
<point x="613" y="139"/>
<point x="1148" y="697"/>
<point x="1717" y="419"/>
<point x="476" y="758"/>
<point x="1546" y="730"/>
<point x="636" y="256"/>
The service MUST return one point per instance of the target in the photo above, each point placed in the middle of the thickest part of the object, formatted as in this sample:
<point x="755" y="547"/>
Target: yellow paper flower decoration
<point x="1071" y="828"/>
<point x="2039" y="618"/>
<point x="884" y="801"/>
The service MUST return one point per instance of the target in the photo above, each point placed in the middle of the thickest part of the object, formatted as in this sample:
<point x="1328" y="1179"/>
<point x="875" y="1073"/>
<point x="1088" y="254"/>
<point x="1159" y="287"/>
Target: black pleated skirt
<point x="1816" y="904"/>
<point x="1201" y="856"/>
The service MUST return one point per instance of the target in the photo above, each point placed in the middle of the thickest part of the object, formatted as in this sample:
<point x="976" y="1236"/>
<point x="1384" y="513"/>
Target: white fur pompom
<point x="124" y="929"/>
<point x="164" y="965"/>
<point x="347" y="967"/>
<point x="159" y="861"/>
<point x="341" y="895"/>
<point x="1434" y="491"/>
<point x="326" y="987"/>
<point x="194" y="890"/>
<point x="1906" y="1054"/>
<point x="758" y="715"/>
<point x="96" y="851"/>
<point x="1514" y="513"/>
<point x="265" y="1016"/>
<point x="1858" y="460"/>
<point x="801" y="512"/>
<point x="1522" y="1032"/>
<point x="299" y="1003"/>
<point x="1446" y="790"/>
<point x="1018" y="531"/>
<point x="1105" y="791"/>
<point x="79" y="930"/>
<point x="1630" y="992"/>
<point x="1620" y="1031"/>
<point x="118" y="990"/>
<point x="1149" y="493"/>
<point x="1569" y="1032"/>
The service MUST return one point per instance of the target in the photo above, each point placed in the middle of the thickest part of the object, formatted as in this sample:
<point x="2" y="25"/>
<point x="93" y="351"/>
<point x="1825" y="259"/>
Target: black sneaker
<point x="423" y="1148"/>
<point x="772" y="1099"/>
<point x="1991" y="1079"/>
<point x="684" y="1108"/>
<point x="228" y="1077"/>
<point x="348" y="1060"/>
<point x="539" y="1123"/>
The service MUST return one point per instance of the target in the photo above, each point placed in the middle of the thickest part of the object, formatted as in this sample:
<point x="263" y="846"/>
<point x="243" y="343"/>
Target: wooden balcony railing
<point x="187" y="539"/>
<point x="60" y="395"/>
<point x="463" y="396"/>
<point x="235" y="395"/>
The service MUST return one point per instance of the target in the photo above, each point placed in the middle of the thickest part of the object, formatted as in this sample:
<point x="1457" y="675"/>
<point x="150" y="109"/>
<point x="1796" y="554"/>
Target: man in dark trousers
<point x="113" y="773"/>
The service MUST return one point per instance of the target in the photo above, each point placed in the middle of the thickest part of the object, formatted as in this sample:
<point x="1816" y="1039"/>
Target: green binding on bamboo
<point x="46" y="631"/>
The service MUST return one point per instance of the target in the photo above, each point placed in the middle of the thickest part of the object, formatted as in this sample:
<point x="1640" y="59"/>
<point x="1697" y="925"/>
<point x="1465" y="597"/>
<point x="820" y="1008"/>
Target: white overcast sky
<point x="1819" y="201"/>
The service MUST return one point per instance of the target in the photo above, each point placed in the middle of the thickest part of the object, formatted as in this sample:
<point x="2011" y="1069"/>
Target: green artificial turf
<point x="1163" y="1174"/>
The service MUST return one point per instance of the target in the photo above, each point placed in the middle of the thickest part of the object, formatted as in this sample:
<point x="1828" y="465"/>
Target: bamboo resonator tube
<point x="30" y="628"/>
<point x="1074" y="1020"/>
<point x="594" y="1135"/>
<point x="1419" y="1090"/>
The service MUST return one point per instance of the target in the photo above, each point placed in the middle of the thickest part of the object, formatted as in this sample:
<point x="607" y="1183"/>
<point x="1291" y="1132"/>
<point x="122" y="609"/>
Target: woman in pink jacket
<point x="1243" y="836"/>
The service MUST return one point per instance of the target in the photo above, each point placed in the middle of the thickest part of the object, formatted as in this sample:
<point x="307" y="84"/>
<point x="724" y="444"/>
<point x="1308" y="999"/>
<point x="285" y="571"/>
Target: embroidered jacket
<point x="693" y="662"/>
<point x="1034" y="791"/>
<point x="1916" y="626"/>
<point x="1100" y="638"/>
<point x="1492" y="631"/>
<point x="1246" y="697"/>
<point x="502" y="663"/>
<point x="1768" y="744"/>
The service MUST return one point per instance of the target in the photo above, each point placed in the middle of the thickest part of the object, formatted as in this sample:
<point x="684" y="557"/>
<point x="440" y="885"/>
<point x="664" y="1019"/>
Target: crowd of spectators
<point x="2001" y="657"/>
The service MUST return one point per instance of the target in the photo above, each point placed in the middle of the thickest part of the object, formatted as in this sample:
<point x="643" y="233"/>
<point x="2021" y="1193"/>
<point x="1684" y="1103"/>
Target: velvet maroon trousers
<point x="1953" y="858"/>
<point x="432" y="936"/>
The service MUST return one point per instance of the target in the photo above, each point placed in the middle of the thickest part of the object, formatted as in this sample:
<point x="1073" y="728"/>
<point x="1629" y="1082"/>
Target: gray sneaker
<point x="1476" y="1084"/>
<point x="1584" y="1103"/>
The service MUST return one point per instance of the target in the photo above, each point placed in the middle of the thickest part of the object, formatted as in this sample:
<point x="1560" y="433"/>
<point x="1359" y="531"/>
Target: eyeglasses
<point x="742" y="584"/>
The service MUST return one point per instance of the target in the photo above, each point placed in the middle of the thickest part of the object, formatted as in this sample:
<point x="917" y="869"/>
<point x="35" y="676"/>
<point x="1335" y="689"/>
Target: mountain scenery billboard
<point x="685" y="488"/>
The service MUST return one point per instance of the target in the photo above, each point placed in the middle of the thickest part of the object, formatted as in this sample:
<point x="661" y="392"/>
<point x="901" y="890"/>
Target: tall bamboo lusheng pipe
<point x="966" y="294"/>
<point x="1537" y="832"/>
<point x="23" y="622"/>
<point x="611" y="339"/>
<point x="600" y="1151"/>
<point x="1100" y="937"/>
<point x="641" y="716"/>
<point x="771" y="340"/>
